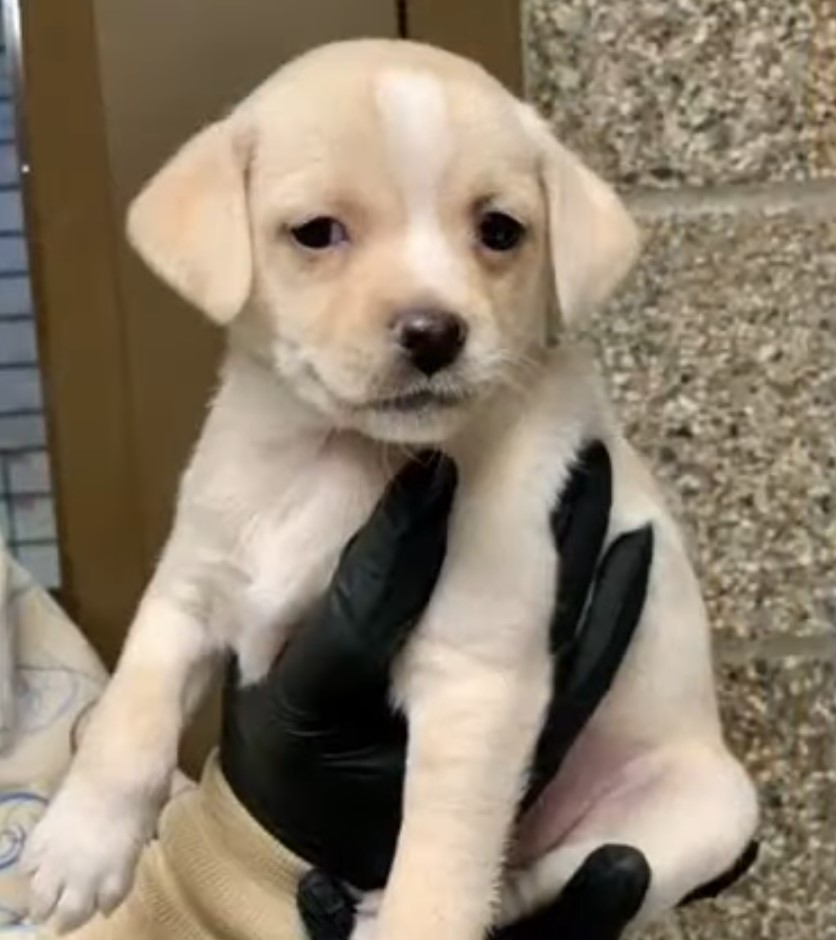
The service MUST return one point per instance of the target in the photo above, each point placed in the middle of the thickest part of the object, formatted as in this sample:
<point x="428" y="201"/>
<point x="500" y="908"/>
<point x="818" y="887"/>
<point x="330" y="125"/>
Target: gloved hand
<point x="316" y="755"/>
<point x="314" y="752"/>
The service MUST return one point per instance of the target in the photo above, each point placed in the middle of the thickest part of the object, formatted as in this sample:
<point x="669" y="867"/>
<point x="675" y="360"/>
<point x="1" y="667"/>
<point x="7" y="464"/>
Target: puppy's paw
<point x="81" y="856"/>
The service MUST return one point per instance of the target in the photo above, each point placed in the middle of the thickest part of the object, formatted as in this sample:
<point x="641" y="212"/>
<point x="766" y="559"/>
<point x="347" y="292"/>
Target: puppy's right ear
<point x="594" y="241"/>
<point x="189" y="224"/>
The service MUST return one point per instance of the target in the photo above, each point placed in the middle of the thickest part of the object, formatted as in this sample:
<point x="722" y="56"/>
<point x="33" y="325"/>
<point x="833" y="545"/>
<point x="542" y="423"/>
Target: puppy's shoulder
<point x="253" y="450"/>
<point x="639" y="499"/>
<point x="576" y="391"/>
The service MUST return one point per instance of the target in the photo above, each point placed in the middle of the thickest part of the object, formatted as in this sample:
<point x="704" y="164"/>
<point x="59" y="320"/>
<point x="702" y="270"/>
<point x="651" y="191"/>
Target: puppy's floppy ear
<point x="593" y="240"/>
<point x="189" y="224"/>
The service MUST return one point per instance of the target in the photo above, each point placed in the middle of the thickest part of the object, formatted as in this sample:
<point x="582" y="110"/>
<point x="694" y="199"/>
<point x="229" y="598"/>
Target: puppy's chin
<point x="425" y="426"/>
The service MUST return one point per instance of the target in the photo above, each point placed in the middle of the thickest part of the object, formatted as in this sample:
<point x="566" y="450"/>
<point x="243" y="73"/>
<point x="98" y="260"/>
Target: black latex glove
<point x="316" y="754"/>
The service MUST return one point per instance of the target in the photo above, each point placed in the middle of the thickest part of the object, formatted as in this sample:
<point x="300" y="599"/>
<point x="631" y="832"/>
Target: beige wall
<point x="718" y="121"/>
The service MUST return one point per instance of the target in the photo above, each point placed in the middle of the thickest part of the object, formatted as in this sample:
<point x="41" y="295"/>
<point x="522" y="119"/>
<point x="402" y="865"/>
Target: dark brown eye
<point x="320" y="233"/>
<point x="499" y="231"/>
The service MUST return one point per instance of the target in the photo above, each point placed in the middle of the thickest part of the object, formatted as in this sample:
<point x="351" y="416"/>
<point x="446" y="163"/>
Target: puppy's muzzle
<point x="429" y="340"/>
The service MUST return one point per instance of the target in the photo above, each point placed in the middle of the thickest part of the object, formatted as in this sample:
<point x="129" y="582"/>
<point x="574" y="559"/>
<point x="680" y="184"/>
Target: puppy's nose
<point x="430" y="339"/>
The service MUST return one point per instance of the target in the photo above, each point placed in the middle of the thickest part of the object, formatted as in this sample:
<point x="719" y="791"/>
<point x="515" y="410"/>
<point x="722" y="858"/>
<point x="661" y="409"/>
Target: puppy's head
<point x="390" y="228"/>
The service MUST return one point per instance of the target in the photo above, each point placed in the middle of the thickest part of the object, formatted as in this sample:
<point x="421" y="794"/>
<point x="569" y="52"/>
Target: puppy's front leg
<point x="470" y="738"/>
<point x="475" y="681"/>
<point x="82" y="854"/>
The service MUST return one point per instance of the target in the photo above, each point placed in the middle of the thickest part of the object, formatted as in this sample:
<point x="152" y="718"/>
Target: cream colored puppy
<point x="385" y="233"/>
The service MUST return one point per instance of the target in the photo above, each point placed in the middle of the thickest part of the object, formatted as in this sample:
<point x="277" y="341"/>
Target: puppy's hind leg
<point x="691" y="811"/>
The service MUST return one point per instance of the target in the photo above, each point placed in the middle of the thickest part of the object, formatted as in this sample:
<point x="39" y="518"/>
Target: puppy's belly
<point x="597" y="768"/>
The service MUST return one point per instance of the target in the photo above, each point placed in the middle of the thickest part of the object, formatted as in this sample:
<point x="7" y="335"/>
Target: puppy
<point x="389" y="239"/>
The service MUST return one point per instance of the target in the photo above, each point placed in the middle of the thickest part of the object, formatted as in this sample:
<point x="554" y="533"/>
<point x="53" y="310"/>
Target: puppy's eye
<point x="320" y="233"/>
<point x="499" y="231"/>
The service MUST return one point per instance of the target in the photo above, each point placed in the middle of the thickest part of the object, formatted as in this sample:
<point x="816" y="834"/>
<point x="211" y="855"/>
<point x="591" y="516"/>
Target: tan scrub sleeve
<point x="212" y="873"/>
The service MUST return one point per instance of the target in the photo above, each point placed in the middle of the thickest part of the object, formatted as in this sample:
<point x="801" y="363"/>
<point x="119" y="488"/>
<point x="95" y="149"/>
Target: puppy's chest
<point x="492" y="596"/>
<point x="285" y="534"/>
<point x="493" y="603"/>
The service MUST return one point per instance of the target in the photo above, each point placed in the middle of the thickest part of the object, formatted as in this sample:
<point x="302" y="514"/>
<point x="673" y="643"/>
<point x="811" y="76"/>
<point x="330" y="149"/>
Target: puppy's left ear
<point x="593" y="240"/>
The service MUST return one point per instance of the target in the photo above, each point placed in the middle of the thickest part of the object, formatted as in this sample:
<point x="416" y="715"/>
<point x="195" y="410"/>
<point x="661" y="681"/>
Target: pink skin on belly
<point x="597" y="775"/>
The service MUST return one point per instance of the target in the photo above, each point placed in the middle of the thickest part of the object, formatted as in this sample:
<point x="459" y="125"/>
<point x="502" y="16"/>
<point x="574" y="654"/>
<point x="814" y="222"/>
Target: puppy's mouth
<point x="414" y="400"/>
<point x="419" y="400"/>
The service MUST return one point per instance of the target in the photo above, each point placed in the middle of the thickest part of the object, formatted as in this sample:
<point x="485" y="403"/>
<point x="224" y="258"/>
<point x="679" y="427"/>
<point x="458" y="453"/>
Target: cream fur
<point x="295" y="452"/>
<point x="416" y="125"/>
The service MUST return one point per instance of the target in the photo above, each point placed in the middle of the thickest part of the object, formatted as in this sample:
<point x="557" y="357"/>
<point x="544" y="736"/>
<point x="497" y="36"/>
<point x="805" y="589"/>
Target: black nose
<point x="430" y="339"/>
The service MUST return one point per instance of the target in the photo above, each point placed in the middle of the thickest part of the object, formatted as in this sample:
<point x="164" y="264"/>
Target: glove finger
<point x="584" y="675"/>
<point x="382" y="585"/>
<point x="326" y="909"/>
<point x="723" y="882"/>
<point x="614" y="611"/>
<point x="579" y="526"/>
<point x="387" y="574"/>
<point x="598" y="903"/>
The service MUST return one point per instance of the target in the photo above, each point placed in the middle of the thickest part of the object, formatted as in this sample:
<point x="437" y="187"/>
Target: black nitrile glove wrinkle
<point x="579" y="524"/>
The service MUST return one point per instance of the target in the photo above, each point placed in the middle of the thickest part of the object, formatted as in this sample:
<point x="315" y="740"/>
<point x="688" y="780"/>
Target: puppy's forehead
<point x="416" y="124"/>
<point x="407" y="122"/>
<point x="417" y="132"/>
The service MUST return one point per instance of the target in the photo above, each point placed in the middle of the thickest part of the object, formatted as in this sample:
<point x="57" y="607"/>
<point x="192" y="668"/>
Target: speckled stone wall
<point x="717" y="119"/>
